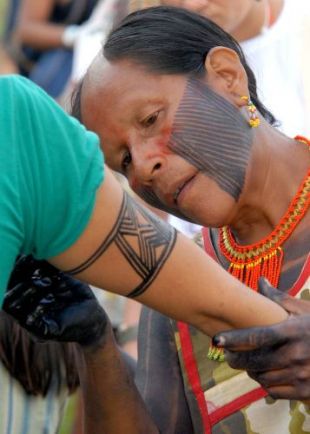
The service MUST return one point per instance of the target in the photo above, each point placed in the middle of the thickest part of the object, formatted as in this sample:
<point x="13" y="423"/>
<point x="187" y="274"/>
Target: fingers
<point x="290" y="304"/>
<point x="257" y="360"/>
<point x="21" y="299"/>
<point x="13" y="295"/>
<point x="249" y="339"/>
<point x="281" y="377"/>
<point x="289" y="376"/>
<point x="266" y="289"/>
<point x="288" y="391"/>
<point x="25" y="268"/>
<point x="43" y="328"/>
<point x="42" y="322"/>
<point x="294" y="329"/>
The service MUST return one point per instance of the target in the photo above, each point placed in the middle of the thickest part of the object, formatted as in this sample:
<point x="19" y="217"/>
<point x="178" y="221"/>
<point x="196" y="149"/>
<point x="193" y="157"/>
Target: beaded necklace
<point x="248" y="263"/>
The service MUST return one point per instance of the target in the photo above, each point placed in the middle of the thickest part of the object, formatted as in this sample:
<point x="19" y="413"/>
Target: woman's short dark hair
<point x="37" y="366"/>
<point x="172" y="40"/>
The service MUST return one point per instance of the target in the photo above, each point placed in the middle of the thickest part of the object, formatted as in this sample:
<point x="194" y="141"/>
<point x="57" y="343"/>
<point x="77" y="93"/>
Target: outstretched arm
<point x="129" y="251"/>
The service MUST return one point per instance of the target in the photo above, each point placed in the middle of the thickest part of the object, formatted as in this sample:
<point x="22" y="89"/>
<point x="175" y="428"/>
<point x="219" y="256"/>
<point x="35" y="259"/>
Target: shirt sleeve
<point x="55" y="165"/>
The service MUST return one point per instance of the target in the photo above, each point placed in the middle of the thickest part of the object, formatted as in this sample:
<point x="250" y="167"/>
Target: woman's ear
<point x="226" y="74"/>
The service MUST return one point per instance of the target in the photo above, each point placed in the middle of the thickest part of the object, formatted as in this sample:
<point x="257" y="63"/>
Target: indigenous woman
<point x="182" y="121"/>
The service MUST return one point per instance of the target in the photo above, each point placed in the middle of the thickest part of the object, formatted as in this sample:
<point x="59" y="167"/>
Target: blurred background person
<point x="39" y="39"/>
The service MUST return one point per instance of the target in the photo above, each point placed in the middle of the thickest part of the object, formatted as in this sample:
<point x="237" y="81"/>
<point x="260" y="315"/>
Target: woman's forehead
<point x="125" y="82"/>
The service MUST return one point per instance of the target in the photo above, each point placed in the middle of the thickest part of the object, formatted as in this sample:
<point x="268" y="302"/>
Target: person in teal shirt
<point x="50" y="170"/>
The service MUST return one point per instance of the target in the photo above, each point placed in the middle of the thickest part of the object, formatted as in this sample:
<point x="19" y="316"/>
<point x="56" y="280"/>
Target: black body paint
<point x="212" y="135"/>
<point x="154" y="237"/>
<point x="150" y="197"/>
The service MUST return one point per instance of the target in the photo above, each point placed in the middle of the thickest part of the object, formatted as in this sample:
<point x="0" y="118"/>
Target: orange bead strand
<point x="265" y="258"/>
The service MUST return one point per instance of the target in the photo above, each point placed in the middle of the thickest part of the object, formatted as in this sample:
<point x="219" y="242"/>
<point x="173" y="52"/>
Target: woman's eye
<point x="126" y="161"/>
<point x="149" y="121"/>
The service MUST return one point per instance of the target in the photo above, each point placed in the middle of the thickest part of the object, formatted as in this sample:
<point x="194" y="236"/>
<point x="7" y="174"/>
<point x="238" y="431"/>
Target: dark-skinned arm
<point x="53" y="306"/>
<point x="111" y="400"/>
<point x="278" y="357"/>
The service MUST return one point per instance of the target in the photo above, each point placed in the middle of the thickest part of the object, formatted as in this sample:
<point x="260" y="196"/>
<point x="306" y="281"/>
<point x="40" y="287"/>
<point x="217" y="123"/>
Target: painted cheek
<point x="211" y="134"/>
<point x="161" y="143"/>
<point x="164" y="139"/>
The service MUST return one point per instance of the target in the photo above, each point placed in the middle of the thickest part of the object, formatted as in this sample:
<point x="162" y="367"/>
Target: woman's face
<point x="228" y="14"/>
<point x="138" y="117"/>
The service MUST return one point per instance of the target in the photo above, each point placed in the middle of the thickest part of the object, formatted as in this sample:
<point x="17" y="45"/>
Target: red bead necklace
<point x="248" y="263"/>
<point x="264" y="258"/>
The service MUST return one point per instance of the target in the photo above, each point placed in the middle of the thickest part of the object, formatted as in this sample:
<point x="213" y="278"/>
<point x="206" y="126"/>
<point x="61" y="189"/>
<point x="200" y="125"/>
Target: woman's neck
<point x="277" y="168"/>
<point x="262" y="14"/>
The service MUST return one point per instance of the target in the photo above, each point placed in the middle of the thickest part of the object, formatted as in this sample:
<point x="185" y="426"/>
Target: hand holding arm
<point x="278" y="357"/>
<point x="128" y="250"/>
<point x="53" y="306"/>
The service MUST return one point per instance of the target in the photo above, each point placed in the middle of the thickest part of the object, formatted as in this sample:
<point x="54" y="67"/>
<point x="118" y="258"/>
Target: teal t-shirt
<point x="50" y="170"/>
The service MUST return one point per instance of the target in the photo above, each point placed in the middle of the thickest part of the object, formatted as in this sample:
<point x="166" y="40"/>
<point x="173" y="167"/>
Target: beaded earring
<point x="254" y="120"/>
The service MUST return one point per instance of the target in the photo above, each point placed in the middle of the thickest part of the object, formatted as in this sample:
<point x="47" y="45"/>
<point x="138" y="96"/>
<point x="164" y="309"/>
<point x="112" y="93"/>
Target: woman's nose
<point x="147" y="166"/>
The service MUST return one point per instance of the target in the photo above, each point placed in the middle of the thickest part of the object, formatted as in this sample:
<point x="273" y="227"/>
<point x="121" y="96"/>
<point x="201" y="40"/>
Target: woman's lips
<point x="178" y="195"/>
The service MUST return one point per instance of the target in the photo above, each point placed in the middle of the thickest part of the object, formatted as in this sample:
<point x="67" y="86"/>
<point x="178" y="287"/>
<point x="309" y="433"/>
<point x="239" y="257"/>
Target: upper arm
<point x="34" y="26"/>
<point x="51" y="168"/>
<point x="59" y="169"/>
<point x="35" y="11"/>
<point x="124" y="246"/>
<point x="158" y="377"/>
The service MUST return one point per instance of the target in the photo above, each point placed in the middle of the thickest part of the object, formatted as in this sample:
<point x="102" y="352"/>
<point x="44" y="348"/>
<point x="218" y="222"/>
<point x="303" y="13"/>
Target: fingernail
<point x="218" y="341"/>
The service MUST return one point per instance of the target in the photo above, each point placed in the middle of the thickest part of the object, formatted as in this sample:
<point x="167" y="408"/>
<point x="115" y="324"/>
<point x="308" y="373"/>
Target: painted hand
<point x="278" y="357"/>
<point x="53" y="306"/>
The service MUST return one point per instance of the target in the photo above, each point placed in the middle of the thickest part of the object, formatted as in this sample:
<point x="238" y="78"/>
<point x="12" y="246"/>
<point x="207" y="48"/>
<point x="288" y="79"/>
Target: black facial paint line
<point x="212" y="135"/>
<point x="150" y="197"/>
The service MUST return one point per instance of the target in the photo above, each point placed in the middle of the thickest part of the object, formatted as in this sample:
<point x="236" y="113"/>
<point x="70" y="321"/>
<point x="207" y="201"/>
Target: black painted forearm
<point x="112" y="402"/>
